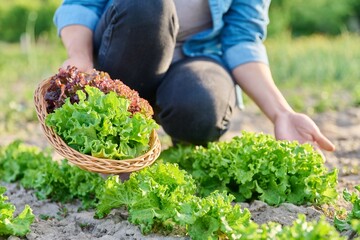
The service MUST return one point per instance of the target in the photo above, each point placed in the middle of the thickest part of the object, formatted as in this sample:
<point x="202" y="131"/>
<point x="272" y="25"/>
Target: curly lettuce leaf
<point x="10" y="225"/>
<point x="100" y="125"/>
<point x="162" y="198"/>
<point x="351" y="222"/>
<point x="150" y="195"/>
<point x="17" y="158"/>
<point x="64" y="182"/>
<point x="35" y="169"/>
<point x="257" y="166"/>
<point x="317" y="229"/>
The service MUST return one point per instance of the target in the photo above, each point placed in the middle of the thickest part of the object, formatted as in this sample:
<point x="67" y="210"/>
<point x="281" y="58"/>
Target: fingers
<point x="80" y="63"/>
<point x="323" y="142"/>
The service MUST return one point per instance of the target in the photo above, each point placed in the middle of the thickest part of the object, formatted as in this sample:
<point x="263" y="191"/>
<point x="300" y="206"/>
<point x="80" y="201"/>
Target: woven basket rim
<point x="88" y="162"/>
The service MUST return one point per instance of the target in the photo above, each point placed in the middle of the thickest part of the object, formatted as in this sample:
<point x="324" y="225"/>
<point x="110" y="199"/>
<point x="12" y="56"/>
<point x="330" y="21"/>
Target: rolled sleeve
<point x="244" y="32"/>
<point x="82" y="12"/>
<point x="75" y="14"/>
<point x="245" y="52"/>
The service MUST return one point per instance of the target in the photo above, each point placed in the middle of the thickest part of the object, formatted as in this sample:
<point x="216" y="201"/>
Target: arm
<point x="76" y="21"/>
<point x="242" y="39"/>
<point x="256" y="80"/>
<point x="77" y="40"/>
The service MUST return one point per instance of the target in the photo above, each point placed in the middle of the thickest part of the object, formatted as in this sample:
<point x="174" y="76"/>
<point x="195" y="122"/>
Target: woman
<point x="185" y="58"/>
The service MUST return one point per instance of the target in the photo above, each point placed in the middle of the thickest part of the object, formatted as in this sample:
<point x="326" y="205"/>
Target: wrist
<point x="77" y="40"/>
<point x="83" y="56"/>
<point x="281" y="114"/>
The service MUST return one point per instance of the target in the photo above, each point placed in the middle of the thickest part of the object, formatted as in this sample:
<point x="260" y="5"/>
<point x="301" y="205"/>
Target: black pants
<point x="193" y="98"/>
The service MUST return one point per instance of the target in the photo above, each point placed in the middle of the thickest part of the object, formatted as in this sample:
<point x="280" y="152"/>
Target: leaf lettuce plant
<point x="10" y="225"/>
<point x="257" y="166"/>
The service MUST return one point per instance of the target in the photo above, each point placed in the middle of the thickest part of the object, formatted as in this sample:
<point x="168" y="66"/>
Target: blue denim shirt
<point x="237" y="35"/>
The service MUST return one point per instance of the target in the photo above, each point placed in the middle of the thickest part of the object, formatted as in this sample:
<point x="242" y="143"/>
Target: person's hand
<point x="295" y="126"/>
<point x="81" y="63"/>
<point x="77" y="40"/>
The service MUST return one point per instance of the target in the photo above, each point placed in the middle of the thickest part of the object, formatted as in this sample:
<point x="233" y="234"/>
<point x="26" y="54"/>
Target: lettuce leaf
<point x="162" y="198"/>
<point x="10" y="225"/>
<point x="100" y="125"/>
<point x="351" y="222"/>
<point x="16" y="158"/>
<point x="257" y="166"/>
<point x="36" y="170"/>
<point x="317" y="229"/>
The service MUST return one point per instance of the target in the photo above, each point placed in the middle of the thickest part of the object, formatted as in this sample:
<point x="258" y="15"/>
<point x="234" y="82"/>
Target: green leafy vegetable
<point x="64" y="183"/>
<point x="355" y="225"/>
<point x="100" y="125"/>
<point x="10" y="225"/>
<point x="67" y="82"/>
<point x="17" y="158"/>
<point x="300" y="229"/>
<point x="215" y="216"/>
<point x="151" y="195"/>
<point x="161" y="197"/>
<point x="352" y="221"/>
<point x="50" y="179"/>
<point x="256" y="166"/>
<point x="303" y="230"/>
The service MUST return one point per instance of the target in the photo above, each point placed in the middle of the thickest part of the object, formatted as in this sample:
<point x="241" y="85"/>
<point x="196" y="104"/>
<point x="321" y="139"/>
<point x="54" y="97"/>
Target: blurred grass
<point x="315" y="73"/>
<point x="22" y="67"/>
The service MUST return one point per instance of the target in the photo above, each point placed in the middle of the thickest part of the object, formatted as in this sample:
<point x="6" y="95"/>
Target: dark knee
<point x="190" y="122"/>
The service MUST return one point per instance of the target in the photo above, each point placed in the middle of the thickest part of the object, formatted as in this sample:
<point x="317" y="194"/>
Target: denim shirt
<point x="237" y="35"/>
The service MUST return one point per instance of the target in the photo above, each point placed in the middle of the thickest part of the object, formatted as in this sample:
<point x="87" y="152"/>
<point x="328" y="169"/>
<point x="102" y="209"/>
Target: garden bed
<point x="62" y="221"/>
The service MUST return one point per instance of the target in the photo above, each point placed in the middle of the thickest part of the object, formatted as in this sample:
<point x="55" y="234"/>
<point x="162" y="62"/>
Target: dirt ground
<point x="342" y="127"/>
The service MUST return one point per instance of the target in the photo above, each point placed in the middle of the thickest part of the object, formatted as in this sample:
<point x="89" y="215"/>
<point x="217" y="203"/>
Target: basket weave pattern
<point x="88" y="162"/>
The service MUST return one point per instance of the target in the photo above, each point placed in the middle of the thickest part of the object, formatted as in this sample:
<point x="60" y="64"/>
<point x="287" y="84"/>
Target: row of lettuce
<point x="189" y="190"/>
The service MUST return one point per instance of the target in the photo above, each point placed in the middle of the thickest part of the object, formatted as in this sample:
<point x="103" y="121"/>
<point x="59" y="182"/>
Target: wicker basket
<point x="87" y="162"/>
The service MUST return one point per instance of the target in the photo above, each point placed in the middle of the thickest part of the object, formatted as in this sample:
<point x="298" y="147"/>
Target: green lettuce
<point x="36" y="170"/>
<point x="162" y="198"/>
<point x="352" y="220"/>
<point x="302" y="230"/>
<point x="257" y="166"/>
<point x="10" y="225"/>
<point x="100" y="125"/>
<point x="17" y="158"/>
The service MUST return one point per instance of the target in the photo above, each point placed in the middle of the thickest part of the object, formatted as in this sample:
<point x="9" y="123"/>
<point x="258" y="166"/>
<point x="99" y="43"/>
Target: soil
<point x="60" y="222"/>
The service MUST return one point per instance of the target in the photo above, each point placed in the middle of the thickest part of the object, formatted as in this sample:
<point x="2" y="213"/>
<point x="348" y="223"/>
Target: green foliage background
<point x="20" y="16"/>
<point x="296" y="16"/>
<point x="317" y="16"/>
